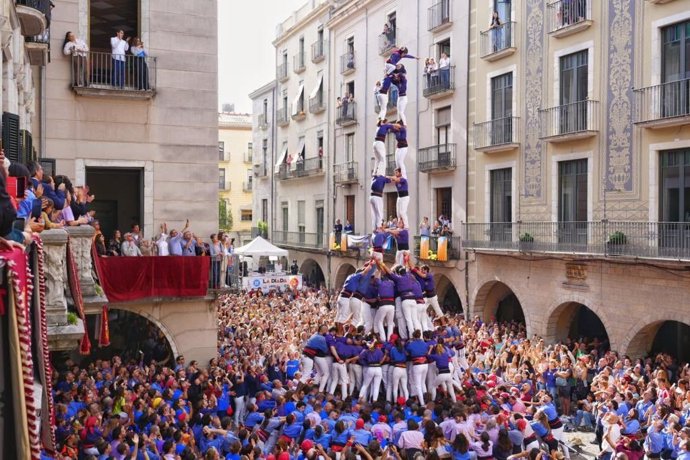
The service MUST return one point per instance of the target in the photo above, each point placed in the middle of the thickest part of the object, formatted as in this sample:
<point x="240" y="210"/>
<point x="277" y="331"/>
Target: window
<point x="246" y="215"/>
<point x="221" y="178"/>
<point x="350" y="209"/>
<point x="301" y="50"/>
<point x="285" y="209"/>
<point x="675" y="70"/>
<point x="503" y="7"/>
<point x="572" y="201"/>
<point x="502" y="109"/>
<point x="350" y="88"/>
<point x="264" y="209"/>
<point x="301" y="211"/>
<point x="265" y="109"/>
<point x="501" y="204"/>
<point x="391" y="31"/>
<point x="573" y="92"/>
<point x="443" y="47"/>
<point x="319" y="223"/>
<point x="106" y="17"/>
<point x="444" y="202"/>
<point x="675" y="186"/>
<point x="285" y="58"/>
<point x="250" y="178"/>
<point x="221" y="150"/>
<point x="391" y="199"/>
<point x="264" y="154"/>
<point x="443" y="117"/>
<point x="350" y="147"/>
<point x="350" y="45"/>
<point x="319" y="147"/>
<point x="319" y="37"/>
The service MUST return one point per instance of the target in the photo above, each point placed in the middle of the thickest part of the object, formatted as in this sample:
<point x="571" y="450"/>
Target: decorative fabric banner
<point x="75" y="289"/>
<point x="358" y="240"/>
<point x="424" y="248"/>
<point x="442" y="248"/>
<point x="343" y="243"/>
<point x="104" y="336"/>
<point x="331" y="242"/>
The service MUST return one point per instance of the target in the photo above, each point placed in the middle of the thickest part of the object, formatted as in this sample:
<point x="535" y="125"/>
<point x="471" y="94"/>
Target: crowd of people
<point x="311" y="375"/>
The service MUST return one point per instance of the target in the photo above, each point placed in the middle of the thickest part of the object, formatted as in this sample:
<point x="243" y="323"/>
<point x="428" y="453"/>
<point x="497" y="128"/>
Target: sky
<point x="246" y="57"/>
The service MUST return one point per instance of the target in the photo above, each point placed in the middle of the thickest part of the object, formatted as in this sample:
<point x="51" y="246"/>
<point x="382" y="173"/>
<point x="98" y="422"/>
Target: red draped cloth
<point x="130" y="278"/>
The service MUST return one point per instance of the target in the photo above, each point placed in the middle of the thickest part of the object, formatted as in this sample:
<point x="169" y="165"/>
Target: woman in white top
<point x="444" y="70"/>
<point x="119" y="45"/>
<point x="78" y="49"/>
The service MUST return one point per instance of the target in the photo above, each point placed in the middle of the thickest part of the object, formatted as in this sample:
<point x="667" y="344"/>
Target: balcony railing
<point x="316" y="103"/>
<point x="665" y="104"/>
<point x="498" y="42"/>
<point x="658" y="240"/>
<point x="299" y="63"/>
<point x="566" y="122"/>
<point x="346" y="173"/>
<point x="390" y="164"/>
<point x="439" y="15"/>
<point x="298" y="110"/>
<point x="302" y="168"/>
<point x="346" y="114"/>
<point x="436" y="158"/>
<point x="38" y="48"/>
<point x="454" y="247"/>
<point x="224" y="185"/>
<point x="247" y="186"/>
<point x="392" y="101"/>
<point x="248" y="156"/>
<point x="95" y="73"/>
<point x="318" y="51"/>
<point x="300" y="239"/>
<point x="347" y="63"/>
<point x="282" y="118"/>
<point x="34" y="16"/>
<point x="262" y="232"/>
<point x="387" y="41"/>
<point x="496" y="135"/>
<point x="282" y="72"/>
<point x="566" y="17"/>
<point x="263" y="121"/>
<point x="439" y="84"/>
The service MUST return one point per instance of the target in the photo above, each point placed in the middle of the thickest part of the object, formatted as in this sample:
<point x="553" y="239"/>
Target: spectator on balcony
<point x="101" y="250"/>
<point x="47" y="210"/>
<point x="115" y="245"/>
<point x="444" y="70"/>
<point x="345" y="104"/>
<point x="294" y="268"/>
<point x="81" y="201"/>
<point x="162" y="248"/>
<point x="147" y="248"/>
<point x="338" y="230"/>
<point x="49" y="189"/>
<point x="67" y="214"/>
<point x="446" y="231"/>
<point x="119" y="45"/>
<point x="137" y="234"/>
<point x="217" y="253"/>
<point x="349" y="229"/>
<point x="141" y="68"/>
<point x="202" y="248"/>
<point x="129" y="248"/>
<point x="430" y="72"/>
<point x="496" y="30"/>
<point x="175" y="243"/>
<point x="78" y="49"/>
<point x="424" y="227"/>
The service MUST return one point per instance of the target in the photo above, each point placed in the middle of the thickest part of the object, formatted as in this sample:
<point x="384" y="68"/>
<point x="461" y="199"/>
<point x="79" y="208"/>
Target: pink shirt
<point x="411" y="439"/>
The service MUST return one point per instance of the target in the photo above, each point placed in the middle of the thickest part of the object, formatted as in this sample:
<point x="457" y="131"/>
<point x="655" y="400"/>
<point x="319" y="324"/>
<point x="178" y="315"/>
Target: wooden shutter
<point x="10" y="136"/>
<point x="26" y="147"/>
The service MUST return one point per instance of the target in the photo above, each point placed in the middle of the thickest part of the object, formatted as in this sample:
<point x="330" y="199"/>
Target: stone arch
<point x="160" y="325"/>
<point x="495" y="298"/>
<point x="448" y="296"/>
<point x="344" y="270"/>
<point x="639" y="340"/>
<point x="568" y="315"/>
<point x="312" y="272"/>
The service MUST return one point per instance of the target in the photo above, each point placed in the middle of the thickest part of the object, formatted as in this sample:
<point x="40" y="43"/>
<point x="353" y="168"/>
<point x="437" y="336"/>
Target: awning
<point x="319" y="84"/>
<point x="295" y="103"/>
<point x="300" y="148"/>
<point x="281" y="158"/>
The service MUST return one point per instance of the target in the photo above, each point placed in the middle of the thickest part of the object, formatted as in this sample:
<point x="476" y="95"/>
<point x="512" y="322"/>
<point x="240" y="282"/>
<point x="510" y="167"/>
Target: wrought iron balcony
<point x="298" y="110"/>
<point x="497" y="135"/>
<point x="570" y="121"/>
<point x="260" y="170"/>
<point x="318" y="51"/>
<point x="439" y="16"/>
<point x="656" y="240"/>
<point x="98" y="74"/>
<point x="440" y="84"/>
<point x="282" y="118"/>
<point x="347" y="63"/>
<point x="498" y="42"/>
<point x="346" y="114"/>
<point x="387" y="41"/>
<point x="263" y="121"/>
<point x="567" y="17"/>
<point x="667" y="104"/>
<point x="300" y="239"/>
<point x="248" y="155"/>
<point x="301" y="168"/>
<point x="299" y="63"/>
<point x="247" y="186"/>
<point x="346" y="173"/>
<point x="34" y="16"/>
<point x="282" y="72"/>
<point x="316" y="103"/>
<point x="38" y="48"/>
<point x="436" y="158"/>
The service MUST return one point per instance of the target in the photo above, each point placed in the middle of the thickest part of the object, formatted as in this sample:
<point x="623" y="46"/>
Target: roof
<point x="235" y="120"/>
<point x="260" y="247"/>
<point x="266" y="88"/>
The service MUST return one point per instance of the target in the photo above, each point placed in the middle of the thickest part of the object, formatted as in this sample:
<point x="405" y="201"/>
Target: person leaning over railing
<point x="78" y="49"/>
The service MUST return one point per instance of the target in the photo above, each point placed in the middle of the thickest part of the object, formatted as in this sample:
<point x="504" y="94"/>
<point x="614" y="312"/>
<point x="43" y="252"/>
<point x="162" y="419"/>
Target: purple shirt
<point x="401" y="186"/>
<point x="378" y="183"/>
<point x="369" y="357"/>
<point x="383" y="130"/>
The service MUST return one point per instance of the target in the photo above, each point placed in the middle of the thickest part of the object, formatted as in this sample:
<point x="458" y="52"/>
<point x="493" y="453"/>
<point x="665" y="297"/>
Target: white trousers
<point x="376" y="203"/>
<point x="402" y="105"/>
<point x="307" y="366"/>
<point x="418" y="380"/>
<point x="430" y="380"/>
<point x="400" y="256"/>
<point x="342" y="309"/>
<point x="355" y="371"/>
<point x="372" y="381"/>
<point x="433" y="303"/>
<point x="401" y="205"/>
<point x="385" y="314"/>
<point x="423" y="317"/>
<point x="409" y="311"/>
<point x="400" y="154"/>
<point x="400" y="319"/>
<point x="379" y="158"/>
<point x="446" y="382"/>
<point x="367" y="318"/>
<point x="323" y="367"/>
<point x="340" y="376"/>
<point x="355" y="311"/>
<point x="383" y="106"/>
<point x="400" y="383"/>
<point x="239" y="410"/>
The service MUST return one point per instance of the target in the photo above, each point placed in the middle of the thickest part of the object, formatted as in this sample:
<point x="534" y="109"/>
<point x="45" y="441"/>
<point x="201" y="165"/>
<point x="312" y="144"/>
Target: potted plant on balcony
<point x="526" y="242"/>
<point x="616" y="243"/>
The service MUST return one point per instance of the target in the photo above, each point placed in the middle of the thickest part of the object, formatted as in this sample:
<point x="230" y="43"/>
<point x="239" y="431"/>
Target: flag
<point x="424" y="248"/>
<point x="442" y="248"/>
<point x="104" y="338"/>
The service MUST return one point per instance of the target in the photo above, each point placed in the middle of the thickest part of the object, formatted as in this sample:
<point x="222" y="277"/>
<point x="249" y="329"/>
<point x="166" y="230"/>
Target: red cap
<point x="521" y="424"/>
<point x="359" y="424"/>
<point x="306" y="445"/>
<point x="383" y="418"/>
<point x="284" y="456"/>
<point x="401" y="400"/>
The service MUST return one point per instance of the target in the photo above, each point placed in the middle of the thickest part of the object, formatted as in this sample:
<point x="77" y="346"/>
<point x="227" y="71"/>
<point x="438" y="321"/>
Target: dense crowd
<point x="296" y="379"/>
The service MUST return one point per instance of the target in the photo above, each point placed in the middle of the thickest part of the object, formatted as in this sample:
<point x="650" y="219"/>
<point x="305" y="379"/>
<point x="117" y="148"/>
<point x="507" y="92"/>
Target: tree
<point x="224" y="216"/>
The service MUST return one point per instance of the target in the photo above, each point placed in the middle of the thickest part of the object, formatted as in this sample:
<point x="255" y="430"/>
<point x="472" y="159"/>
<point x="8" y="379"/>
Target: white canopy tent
<point x="260" y="247"/>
